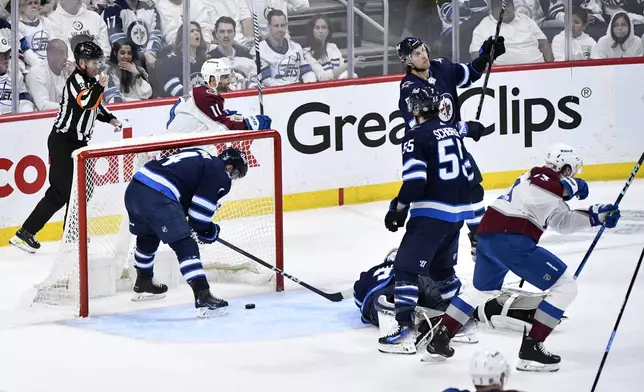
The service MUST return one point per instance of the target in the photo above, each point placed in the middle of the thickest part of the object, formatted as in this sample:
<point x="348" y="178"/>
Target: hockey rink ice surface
<point x="297" y="341"/>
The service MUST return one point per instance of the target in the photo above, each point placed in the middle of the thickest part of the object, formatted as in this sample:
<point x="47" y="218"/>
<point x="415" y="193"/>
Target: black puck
<point x="250" y="306"/>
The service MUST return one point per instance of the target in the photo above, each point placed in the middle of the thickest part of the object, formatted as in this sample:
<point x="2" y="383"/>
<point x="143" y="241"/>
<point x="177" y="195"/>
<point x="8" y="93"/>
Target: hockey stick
<point x="603" y="227"/>
<point x="334" y="297"/>
<point x="489" y="67"/>
<point x="619" y="318"/>
<point x="258" y="61"/>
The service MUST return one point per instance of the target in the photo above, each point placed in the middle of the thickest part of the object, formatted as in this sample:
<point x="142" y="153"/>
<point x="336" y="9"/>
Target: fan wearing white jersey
<point x="202" y="109"/>
<point x="283" y="61"/>
<point x="508" y="236"/>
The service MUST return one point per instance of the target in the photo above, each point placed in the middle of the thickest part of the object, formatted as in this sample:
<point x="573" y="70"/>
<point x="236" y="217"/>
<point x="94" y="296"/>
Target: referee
<point x="80" y="107"/>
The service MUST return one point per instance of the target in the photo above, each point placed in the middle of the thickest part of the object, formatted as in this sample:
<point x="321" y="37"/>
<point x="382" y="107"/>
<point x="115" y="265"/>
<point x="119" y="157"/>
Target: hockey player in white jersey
<point x="489" y="372"/>
<point x="283" y="61"/>
<point x="508" y="238"/>
<point x="202" y="109"/>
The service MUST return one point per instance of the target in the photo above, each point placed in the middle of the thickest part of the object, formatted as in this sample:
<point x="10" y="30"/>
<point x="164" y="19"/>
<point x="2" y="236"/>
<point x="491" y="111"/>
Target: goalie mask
<point x="563" y="159"/>
<point x="237" y="159"/>
<point x="219" y="69"/>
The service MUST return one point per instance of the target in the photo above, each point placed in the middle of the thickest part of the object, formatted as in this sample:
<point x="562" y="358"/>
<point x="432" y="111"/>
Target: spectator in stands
<point x="240" y="59"/>
<point x="263" y="7"/>
<point x="169" y="68"/>
<point x="524" y="41"/>
<point x="26" y="56"/>
<point x="582" y="43"/>
<point x="128" y="80"/>
<point x="24" y="103"/>
<point x="138" y="21"/>
<point x="620" y="40"/>
<point x="36" y="29"/>
<point x="46" y="80"/>
<point x="239" y="11"/>
<point x="532" y="9"/>
<point x="324" y="56"/>
<point x="72" y="18"/>
<point x="634" y="9"/>
<point x="283" y="60"/>
<point x="171" y="15"/>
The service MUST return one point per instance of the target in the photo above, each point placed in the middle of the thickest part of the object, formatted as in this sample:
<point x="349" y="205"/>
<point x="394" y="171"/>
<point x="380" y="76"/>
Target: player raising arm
<point x="508" y="238"/>
<point x="436" y="193"/>
<point x="202" y="109"/>
<point x="158" y="200"/>
<point x="447" y="77"/>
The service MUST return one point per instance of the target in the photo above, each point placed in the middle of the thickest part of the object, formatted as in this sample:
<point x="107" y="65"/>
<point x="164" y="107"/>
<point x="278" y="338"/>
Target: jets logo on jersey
<point x="77" y="25"/>
<point x="289" y="68"/>
<point x="138" y="33"/>
<point x="446" y="108"/>
<point x="39" y="43"/>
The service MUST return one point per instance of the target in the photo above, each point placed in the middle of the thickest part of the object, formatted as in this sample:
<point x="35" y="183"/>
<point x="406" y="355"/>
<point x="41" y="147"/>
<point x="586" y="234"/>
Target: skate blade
<point x="433" y="358"/>
<point x="532" y="366"/>
<point x="22" y="245"/>
<point x="400" y="349"/>
<point x="138" y="297"/>
<point x="208" y="313"/>
<point x="465" y="339"/>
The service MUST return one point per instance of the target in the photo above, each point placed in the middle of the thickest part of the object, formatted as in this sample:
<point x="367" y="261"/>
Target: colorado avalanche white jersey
<point x="534" y="203"/>
<point x="284" y="65"/>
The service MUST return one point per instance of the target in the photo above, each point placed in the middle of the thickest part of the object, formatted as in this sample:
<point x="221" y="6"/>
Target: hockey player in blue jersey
<point x="161" y="195"/>
<point x="489" y="371"/>
<point x="436" y="194"/>
<point x="446" y="77"/>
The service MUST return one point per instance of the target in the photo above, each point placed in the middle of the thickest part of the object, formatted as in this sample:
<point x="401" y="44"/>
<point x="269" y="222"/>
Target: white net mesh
<point x="247" y="217"/>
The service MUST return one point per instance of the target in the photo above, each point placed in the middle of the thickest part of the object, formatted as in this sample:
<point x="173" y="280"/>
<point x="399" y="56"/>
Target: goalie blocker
<point x="373" y="293"/>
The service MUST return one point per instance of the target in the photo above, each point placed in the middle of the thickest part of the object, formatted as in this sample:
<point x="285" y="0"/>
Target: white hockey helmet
<point x="489" y="368"/>
<point x="561" y="155"/>
<point x="216" y="68"/>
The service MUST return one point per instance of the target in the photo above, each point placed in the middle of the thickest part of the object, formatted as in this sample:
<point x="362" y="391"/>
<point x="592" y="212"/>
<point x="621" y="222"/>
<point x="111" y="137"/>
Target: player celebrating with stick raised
<point x="446" y="77"/>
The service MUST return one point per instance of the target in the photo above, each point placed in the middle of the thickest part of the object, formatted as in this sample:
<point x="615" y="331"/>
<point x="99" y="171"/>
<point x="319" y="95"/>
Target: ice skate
<point x="467" y="334"/>
<point x="210" y="306"/>
<point x="25" y="241"/>
<point x="402" y="340"/>
<point x="439" y="348"/>
<point x="146" y="289"/>
<point x="533" y="356"/>
<point x="426" y="330"/>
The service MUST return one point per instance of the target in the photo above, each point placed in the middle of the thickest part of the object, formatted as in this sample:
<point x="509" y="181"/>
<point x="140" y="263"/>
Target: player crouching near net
<point x="508" y="238"/>
<point x="202" y="109"/>
<point x="373" y="293"/>
<point x="161" y="195"/>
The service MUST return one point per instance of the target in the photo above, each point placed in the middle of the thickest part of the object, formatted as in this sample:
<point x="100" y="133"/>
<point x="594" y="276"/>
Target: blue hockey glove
<point x="473" y="129"/>
<point x="575" y="187"/>
<point x="229" y="112"/>
<point x="258" y="122"/>
<point x="395" y="218"/>
<point x="486" y="48"/>
<point x="607" y="214"/>
<point x="209" y="236"/>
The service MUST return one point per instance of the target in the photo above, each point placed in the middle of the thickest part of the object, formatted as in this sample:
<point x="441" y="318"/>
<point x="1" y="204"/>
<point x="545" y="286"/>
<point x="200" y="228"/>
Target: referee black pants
<point x="61" y="171"/>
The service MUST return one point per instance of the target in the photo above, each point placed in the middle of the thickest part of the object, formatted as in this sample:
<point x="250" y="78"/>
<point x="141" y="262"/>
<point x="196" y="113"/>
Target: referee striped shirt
<point x="80" y="107"/>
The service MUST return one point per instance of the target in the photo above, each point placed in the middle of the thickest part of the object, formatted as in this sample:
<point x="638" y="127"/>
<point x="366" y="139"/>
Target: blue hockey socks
<point x="190" y="266"/>
<point x="405" y="297"/>
<point x="146" y="247"/>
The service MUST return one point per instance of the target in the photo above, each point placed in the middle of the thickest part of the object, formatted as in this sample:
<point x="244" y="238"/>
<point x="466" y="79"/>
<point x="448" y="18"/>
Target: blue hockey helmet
<point x="237" y="159"/>
<point x="424" y="100"/>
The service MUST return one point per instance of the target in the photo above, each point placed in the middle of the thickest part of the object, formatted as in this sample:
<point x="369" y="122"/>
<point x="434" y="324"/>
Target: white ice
<point x="327" y="248"/>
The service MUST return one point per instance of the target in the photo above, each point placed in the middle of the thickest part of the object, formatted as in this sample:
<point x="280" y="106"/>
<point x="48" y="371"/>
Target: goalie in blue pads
<point x="166" y="201"/>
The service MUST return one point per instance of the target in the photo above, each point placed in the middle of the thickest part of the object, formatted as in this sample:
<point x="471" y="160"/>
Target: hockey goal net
<point x="97" y="247"/>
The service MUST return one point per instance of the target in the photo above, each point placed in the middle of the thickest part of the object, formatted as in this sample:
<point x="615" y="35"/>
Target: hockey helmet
<point x="406" y="47"/>
<point x="561" y="155"/>
<point x="5" y="47"/>
<point x="216" y="68"/>
<point x="489" y="368"/>
<point x="238" y="160"/>
<point x="88" y="50"/>
<point x="424" y="100"/>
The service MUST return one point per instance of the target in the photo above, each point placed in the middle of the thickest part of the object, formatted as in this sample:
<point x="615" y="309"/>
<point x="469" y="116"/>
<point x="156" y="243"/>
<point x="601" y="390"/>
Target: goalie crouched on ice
<point x="160" y="197"/>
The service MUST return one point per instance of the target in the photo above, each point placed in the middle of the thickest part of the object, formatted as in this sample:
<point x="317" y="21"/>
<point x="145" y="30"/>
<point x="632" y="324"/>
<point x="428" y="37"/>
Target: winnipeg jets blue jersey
<point x="444" y="76"/>
<point x="372" y="284"/>
<point x="436" y="173"/>
<point x="142" y="25"/>
<point x="193" y="178"/>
